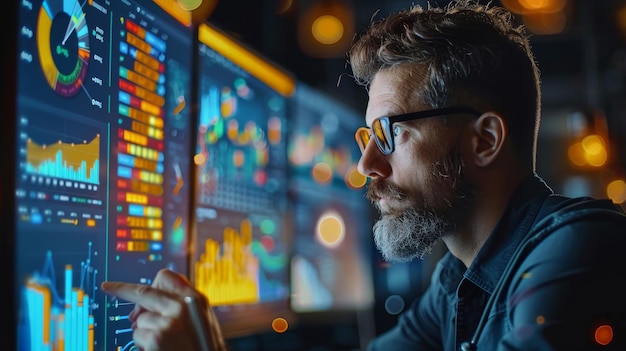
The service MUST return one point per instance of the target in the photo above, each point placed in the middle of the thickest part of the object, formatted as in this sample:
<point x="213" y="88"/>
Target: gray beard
<point x="411" y="235"/>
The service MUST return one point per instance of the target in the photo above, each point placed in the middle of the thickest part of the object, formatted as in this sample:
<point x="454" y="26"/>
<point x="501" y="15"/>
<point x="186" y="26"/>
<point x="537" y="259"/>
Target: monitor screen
<point x="331" y="268"/>
<point x="240" y="257"/>
<point x="102" y="164"/>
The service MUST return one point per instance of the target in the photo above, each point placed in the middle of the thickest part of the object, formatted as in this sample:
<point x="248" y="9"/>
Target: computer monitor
<point x="102" y="164"/>
<point x="331" y="269"/>
<point x="241" y="232"/>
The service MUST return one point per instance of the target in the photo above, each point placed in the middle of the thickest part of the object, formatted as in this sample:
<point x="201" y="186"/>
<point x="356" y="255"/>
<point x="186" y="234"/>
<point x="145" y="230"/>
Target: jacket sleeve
<point x="568" y="293"/>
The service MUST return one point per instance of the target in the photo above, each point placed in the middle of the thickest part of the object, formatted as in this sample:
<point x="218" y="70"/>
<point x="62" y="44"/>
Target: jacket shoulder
<point x="558" y="211"/>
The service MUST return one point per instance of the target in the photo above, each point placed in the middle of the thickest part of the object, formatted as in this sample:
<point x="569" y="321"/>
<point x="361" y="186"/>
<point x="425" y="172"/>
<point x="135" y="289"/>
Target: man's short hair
<point x="474" y="55"/>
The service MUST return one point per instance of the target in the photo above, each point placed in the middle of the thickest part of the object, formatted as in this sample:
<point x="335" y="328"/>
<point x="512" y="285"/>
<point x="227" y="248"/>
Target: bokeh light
<point x="354" y="178"/>
<point x="595" y="151"/>
<point x="199" y="10"/>
<point x="327" y="29"/>
<point x="616" y="191"/>
<point x="546" y="23"/>
<point x="577" y="154"/>
<point x="590" y="151"/>
<point x="544" y="17"/>
<point x="322" y="173"/>
<point x="544" y="6"/>
<point x="524" y="7"/>
<point x="199" y="159"/>
<point x="331" y="229"/>
<point x="394" y="304"/>
<point x="280" y="325"/>
<point x="540" y="319"/>
<point x="604" y="334"/>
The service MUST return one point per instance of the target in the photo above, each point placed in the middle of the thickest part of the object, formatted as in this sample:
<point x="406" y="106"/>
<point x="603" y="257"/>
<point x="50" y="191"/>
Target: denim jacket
<point x="554" y="268"/>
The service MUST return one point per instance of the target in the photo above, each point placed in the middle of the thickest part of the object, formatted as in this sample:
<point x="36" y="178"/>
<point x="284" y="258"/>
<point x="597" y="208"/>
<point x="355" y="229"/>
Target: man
<point x="453" y="111"/>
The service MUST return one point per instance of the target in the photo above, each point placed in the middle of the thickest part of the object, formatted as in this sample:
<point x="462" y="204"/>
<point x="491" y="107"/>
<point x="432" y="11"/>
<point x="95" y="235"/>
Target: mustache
<point x="379" y="188"/>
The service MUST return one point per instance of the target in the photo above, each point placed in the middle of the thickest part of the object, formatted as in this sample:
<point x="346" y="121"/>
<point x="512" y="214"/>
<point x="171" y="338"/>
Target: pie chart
<point x="63" y="45"/>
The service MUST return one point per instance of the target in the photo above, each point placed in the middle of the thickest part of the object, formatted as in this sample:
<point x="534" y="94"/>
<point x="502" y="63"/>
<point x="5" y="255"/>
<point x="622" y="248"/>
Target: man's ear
<point x="489" y="133"/>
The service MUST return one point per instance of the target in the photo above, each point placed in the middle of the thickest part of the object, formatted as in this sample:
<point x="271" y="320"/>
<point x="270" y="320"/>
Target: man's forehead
<point x="389" y="94"/>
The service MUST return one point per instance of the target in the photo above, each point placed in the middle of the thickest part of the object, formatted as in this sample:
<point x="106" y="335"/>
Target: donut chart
<point x="63" y="45"/>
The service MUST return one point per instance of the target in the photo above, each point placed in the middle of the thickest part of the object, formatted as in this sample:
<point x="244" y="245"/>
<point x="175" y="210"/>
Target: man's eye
<point x="396" y="130"/>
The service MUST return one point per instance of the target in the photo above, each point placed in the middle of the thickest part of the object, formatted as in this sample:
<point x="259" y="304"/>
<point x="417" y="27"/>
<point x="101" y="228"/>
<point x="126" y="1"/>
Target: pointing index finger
<point x="150" y="298"/>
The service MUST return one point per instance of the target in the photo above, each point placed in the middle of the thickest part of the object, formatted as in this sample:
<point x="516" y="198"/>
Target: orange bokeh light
<point x="280" y="325"/>
<point x="604" y="334"/>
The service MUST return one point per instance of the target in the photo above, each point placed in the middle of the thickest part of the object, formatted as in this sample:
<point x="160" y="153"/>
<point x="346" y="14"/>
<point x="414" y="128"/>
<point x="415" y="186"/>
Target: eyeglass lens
<point x="362" y="137"/>
<point x="381" y="132"/>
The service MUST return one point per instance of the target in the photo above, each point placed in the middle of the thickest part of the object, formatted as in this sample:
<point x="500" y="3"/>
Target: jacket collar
<point x="511" y="229"/>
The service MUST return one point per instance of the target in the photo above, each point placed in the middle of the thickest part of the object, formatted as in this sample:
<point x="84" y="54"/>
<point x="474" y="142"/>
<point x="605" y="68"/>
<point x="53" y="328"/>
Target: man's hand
<point x="161" y="317"/>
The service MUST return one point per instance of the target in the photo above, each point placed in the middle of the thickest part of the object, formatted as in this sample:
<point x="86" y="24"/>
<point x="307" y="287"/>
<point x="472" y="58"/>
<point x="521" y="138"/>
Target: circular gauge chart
<point x="63" y="45"/>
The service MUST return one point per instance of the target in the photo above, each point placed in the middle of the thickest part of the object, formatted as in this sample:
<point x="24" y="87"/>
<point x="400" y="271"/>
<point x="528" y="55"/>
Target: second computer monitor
<point x="241" y="238"/>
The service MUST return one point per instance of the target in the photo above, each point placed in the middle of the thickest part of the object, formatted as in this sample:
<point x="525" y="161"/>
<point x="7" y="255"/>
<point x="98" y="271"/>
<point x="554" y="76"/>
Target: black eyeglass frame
<point x="390" y="120"/>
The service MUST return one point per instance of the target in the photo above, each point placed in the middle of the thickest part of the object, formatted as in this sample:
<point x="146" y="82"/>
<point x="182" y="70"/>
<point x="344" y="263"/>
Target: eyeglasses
<point x="382" y="131"/>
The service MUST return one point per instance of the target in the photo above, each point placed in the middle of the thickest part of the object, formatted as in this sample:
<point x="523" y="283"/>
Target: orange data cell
<point x="149" y="72"/>
<point x="150" y="97"/>
<point x="132" y="137"/>
<point x="132" y="246"/>
<point x="140" y="151"/>
<point x="145" y="106"/>
<point x="152" y="132"/>
<point x="148" y="177"/>
<point x="141" y="187"/>
<point x="141" y="163"/>
<point x="135" y="29"/>
<point x="122" y="233"/>
<point x="138" y="79"/>
<point x="148" y="165"/>
<point x="144" y="211"/>
<point x="139" y="222"/>
<point x="140" y="116"/>
<point x="124" y="184"/>
<point x="143" y="199"/>
<point x="129" y="88"/>
<point x="135" y="41"/>
<point x="148" y="65"/>
<point x="141" y="93"/>
<point x="140" y="234"/>
<point x="132" y="198"/>
<point x="151" y="108"/>
<point x="137" y="102"/>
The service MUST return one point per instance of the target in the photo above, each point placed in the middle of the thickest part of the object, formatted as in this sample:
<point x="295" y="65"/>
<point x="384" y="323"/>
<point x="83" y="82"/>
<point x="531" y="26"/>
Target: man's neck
<point x="472" y="233"/>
